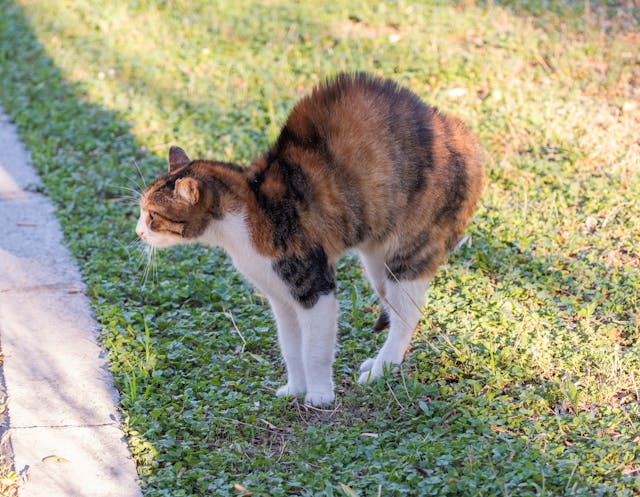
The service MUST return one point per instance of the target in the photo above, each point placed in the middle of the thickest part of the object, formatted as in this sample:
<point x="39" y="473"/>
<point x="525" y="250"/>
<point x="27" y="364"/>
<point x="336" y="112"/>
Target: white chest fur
<point x="232" y="234"/>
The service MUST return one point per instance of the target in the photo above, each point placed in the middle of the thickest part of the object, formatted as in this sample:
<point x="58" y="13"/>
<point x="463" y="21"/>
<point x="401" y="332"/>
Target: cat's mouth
<point x="156" y="240"/>
<point x="159" y="240"/>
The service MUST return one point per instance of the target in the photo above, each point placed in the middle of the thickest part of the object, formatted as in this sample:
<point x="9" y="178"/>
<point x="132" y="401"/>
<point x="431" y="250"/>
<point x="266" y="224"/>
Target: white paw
<point x="367" y="376"/>
<point x="366" y="365"/>
<point x="289" y="391"/>
<point x="375" y="369"/>
<point x="319" y="399"/>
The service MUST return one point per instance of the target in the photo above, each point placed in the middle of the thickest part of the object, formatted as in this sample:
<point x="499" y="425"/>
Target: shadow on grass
<point x="79" y="150"/>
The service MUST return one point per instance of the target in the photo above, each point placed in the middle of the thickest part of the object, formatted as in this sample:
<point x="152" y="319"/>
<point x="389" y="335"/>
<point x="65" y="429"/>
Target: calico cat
<point x="361" y="164"/>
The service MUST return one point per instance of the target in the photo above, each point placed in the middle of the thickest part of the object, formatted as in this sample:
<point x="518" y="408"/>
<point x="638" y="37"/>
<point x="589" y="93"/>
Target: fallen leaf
<point x="456" y="92"/>
<point x="498" y="429"/>
<point x="258" y="358"/>
<point x="423" y="472"/>
<point x="348" y="490"/>
<point x="243" y="491"/>
<point x="54" y="458"/>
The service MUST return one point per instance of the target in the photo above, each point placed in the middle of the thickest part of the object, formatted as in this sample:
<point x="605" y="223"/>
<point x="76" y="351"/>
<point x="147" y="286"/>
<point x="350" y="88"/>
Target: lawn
<point x="523" y="377"/>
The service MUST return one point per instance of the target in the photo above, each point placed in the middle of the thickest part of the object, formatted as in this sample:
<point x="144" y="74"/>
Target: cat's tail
<point x="382" y="322"/>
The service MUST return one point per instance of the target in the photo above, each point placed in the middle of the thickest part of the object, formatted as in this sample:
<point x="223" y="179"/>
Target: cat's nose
<point x="140" y="228"/>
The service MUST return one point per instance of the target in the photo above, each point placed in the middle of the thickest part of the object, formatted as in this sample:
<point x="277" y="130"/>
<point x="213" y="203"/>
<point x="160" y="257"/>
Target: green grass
<point x="523" y="378"/>
<point x="9" y="479"/>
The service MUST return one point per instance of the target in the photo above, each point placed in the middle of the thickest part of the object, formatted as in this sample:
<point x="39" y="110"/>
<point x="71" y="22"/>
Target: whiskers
<point x="151" y="267"/>
<point x="146" y="260"/>
<point x="143" y="255"/>
<point x="129" y="195"/>
<point x="132" y="193"/>
<point x="148" y="255"/>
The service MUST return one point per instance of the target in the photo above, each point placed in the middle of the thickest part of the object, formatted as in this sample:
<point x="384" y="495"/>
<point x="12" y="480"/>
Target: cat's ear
<point x="177" y="158"/>
<point x="187" y="189"/>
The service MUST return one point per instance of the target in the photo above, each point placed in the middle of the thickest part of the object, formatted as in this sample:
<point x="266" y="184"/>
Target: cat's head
<point x="176" y="208"/>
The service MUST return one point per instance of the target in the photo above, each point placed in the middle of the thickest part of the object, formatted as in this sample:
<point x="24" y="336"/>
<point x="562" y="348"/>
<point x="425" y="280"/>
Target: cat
<point x="361" y="164"/>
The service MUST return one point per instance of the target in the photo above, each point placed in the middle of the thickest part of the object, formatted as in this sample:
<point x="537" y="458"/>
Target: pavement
<point x="64" y="426"/>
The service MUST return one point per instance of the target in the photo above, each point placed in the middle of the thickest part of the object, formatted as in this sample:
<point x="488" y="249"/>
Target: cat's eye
<point x="152" y="216"/>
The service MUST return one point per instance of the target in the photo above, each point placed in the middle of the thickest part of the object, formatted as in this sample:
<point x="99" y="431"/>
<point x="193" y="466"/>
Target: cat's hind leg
<point x="404" y="300"/>
<point x="290" y="339"/>
<point x="375" y="270"/>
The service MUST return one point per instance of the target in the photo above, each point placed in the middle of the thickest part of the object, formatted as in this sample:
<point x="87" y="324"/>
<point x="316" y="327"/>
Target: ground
<point x="523" y="376"/>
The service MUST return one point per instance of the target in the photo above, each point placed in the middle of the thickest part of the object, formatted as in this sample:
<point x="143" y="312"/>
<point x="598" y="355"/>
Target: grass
<point x="9" y="479"/>
<point x="523" y="376"/>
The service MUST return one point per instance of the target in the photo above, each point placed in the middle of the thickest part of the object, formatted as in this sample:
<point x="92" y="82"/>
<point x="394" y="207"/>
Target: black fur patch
<point x="282" y="212"/>
<point x="296" y="183"/>
<point x="412" y="261"/>
<point x="421" y="158"/>
<point x="455" y="193"/>
<point x="171" y="178"/>
<point x="408" y="268"/>
<point x="218" y="186"/>
<point x="311" y="139"/>
<point x="413" y="158"/>
<point x="353" y="228"/>
<point x="308" y="277"/>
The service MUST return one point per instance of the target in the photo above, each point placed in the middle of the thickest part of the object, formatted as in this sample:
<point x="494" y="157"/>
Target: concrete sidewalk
<point x="63" y="422"/>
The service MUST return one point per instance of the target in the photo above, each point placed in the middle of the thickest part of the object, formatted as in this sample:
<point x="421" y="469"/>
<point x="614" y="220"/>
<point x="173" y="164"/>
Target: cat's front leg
<point x="290" y="339"/>
<point x="319" y="329"/>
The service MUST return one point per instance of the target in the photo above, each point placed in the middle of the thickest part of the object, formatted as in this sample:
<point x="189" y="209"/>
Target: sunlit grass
<point x="523" y="376"/>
